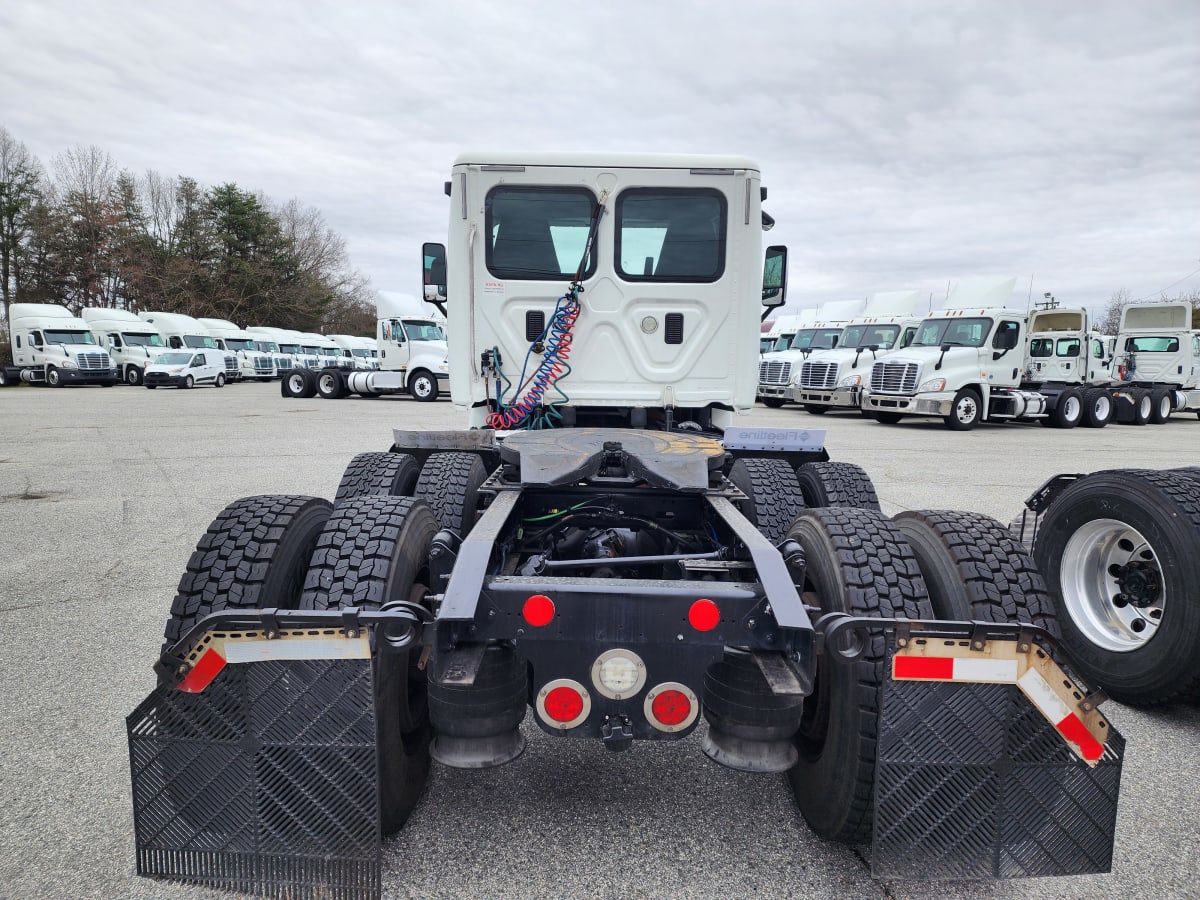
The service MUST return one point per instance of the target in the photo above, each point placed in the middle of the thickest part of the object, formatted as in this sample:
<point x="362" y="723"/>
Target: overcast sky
<point x="905" y="145"/>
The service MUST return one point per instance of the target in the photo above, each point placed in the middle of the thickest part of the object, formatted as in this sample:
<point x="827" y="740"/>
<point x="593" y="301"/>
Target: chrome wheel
<point x="1112" y="585"/>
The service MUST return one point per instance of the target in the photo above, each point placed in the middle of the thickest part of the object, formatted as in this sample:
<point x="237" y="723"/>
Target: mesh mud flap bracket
<point x="991" y="764"/>
<point x="264" y="781"/>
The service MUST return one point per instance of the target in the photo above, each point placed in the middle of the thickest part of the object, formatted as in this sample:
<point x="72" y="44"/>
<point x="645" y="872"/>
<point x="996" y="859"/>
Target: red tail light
<point x="538" y="610"/>
<point x="563" y="703"/>
<point x="671" y="706"/>
<point x="703" y="615"/>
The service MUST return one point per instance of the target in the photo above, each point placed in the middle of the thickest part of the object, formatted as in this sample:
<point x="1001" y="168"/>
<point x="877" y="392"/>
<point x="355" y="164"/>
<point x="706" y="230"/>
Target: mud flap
<point x="973" y="781"/>
<point x="266" y="781"/>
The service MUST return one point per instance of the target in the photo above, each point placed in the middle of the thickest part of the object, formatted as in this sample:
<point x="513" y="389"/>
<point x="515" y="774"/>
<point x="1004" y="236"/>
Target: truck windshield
<point x="331" y="351"/>
<point x="361" y="354"/>
<point x="538" y="233"/>
<point x="955" y="332"/>
<point x="311" y="350"/>
<point x="290" y="348"/>
<point x="268" y="346"/>
<point x="881" y="336"/>
<point x="240" y="344"/>
<point x="815" y="339"/>
<point x="199" y="342"/>
<point x="69" y="337"/>
<point x="142" y="340"/>
<point x="428" y="331"/>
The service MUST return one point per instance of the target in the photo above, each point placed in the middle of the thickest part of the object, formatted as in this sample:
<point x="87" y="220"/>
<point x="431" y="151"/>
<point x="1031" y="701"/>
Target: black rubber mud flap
<point x="972" y="781"/>
<point x="265" y="782"/>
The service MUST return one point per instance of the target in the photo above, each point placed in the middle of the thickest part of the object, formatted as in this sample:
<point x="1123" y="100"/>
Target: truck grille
<point x="894" y="378"/>
<point x="92" y="362"/>
<point x="262" y="365"/>
<point x="283" y="362"/>
<point x="231" y="365"/>
<point x="774" y="372"/>
<point x="820" y="375"/>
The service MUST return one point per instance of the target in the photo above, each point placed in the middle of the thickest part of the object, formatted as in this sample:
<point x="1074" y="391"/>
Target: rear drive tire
<point x="1143" y="407"/>
<point x="1119" y="552"/>
<point x="775" y="497"/>
<point x="449" y="483"/>
<point x="331" y="384"/>
<point x="1161" y="407"/>
<point x="975" y="569"/>
<point x="392" y="474"/>
<point x="373" y="551"/>
<point x="253" y="556"/>
<point x="1097" y="408"/>
<point x="1068" y="412"/>
<point x="857" y="562"/>
<point x="836" y="484"/>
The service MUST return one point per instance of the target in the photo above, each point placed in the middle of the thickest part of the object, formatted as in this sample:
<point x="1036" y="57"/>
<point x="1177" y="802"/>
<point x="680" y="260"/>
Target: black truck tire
<point x="299" y="383"/>
<point x="887" y="418"/>
<point x="815" y="409"/>
<point x="449" y="482"/>
<point x="372" y="551"/>
<point x="423" y="385"/>
<point x="1097" y="408"/>
<point x="133" y="375"/>
<point x="975" y="569"/>
<point x="1121" y="554"/>
<point x="836" y="484"/>
<point x="775" y="498"/>
<point x="331" y="384"/>
<point x="1143" y="407"/>
<point x="966" y="409"/>
<point x="1068" y="411"/>
<point x="856" y="562"/>
<point x="1161" y="406"/>
<point x="773" y="402"/>
<point x="392" y="474"/>
<point x="53" y="378"/>
<point x="253" y="556"/>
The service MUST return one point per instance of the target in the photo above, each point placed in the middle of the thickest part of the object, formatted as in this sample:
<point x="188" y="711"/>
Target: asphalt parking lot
<point x="103" y="494"/>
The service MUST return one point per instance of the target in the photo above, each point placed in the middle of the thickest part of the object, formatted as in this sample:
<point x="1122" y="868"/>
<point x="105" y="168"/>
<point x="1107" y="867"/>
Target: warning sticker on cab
<point x="494" y="288"/>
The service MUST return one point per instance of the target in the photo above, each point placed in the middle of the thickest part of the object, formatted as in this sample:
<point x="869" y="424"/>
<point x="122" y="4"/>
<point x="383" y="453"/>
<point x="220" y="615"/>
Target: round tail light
<point x="563" y="703"/>
<point x="671" y="706"/>
<point x="703" y="615"/>
<point x="538" y="610"/>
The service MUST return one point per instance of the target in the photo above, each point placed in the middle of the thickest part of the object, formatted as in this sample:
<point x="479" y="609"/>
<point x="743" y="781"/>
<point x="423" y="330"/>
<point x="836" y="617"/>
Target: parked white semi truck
<point x="285" y="344"/>
<point x="412" y="360"/>
<point x="778" y="370"/>
<point x="182" y="332"/>
<point x="1157" y="361"/>
<point x="131" y="342"/>
<point x="51" y="346"/>
<point x="254" y="364"/>
<point x="1071" y="362"/>
<point x="361" y="351"/>
<point x="783" y="329"/>
<point x="830" y="379"/>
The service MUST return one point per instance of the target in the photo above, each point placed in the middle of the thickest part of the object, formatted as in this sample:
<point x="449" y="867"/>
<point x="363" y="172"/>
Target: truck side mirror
<point x="774" y="286"/>
<point x="434" y="267"/>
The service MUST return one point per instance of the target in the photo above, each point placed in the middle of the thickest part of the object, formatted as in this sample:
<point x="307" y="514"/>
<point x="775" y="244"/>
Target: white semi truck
<point x="183" y="332"/>
<point x="361" y="351"/>
<point x="1157" y="360"/>
<point x="412" y="360"/>
<point x="286" y="345"/>
<point x="830" y="379"/>
<point x="254" y="363"/>
<point x="605" y="551"/>
<point x="779" y="370"/>
<point x="1071" y="362"/>
<point x="131" y="342"/>
<point x="783" y="329"/>
<point x="50" y="346"/>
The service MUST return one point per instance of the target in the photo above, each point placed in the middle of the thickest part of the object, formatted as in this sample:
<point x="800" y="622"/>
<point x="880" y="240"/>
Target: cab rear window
<point x="671" y="234"/>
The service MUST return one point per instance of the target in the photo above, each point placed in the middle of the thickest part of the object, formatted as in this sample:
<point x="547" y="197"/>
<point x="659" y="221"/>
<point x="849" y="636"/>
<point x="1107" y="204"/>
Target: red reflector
<point x="564" y="704"/>
<point x="671" y="707"/>
<point x="924" y="667"/>
<point x="538" y="610"/>
<point x="704" y="615"/>
<point x="1073" y="729"/>
<point x="207" y="667"/>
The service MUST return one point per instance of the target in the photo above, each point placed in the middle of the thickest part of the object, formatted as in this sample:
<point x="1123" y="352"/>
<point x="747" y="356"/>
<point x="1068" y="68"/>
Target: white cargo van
<point x="181" y="332"/>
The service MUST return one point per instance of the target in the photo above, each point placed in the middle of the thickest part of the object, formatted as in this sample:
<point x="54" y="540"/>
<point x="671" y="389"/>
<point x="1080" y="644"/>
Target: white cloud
<point x="904" y="145"/>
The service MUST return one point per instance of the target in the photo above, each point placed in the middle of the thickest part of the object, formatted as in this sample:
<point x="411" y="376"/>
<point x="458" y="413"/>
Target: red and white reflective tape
<point x="222" y="650"/>
<point x="983" y="670"/>
<point x="1058" y="714"/>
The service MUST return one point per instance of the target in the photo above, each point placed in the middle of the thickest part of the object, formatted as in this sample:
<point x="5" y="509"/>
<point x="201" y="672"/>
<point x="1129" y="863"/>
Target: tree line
<point x="84" y="232"/>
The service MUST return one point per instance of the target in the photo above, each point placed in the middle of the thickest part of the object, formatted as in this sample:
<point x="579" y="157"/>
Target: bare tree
<point x="86" y="178"/>
<point x="20" y="190"/>
<point x="1111" y="323"/>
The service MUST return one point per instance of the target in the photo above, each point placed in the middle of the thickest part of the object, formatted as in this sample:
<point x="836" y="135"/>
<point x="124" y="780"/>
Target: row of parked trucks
<point x="983" y="360"/>
<point x="105" y="346"/>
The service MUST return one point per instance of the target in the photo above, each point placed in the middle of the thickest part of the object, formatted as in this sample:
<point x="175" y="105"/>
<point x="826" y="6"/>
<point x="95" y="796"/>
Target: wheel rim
<point x="131" y="376"/>
<point x="966" y="409"/>
<point x="189" y="382"/>
<point x="422" y="387"/>
<point x="1103" y="406"/>
<point x="295" y="383"/>
<point x="327" y="384"/>
<point x="1071" y="409"/>
<point x="1145" y="407"/>
<point x="1113" y="585"/>
<point x="1164" y="408"/>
